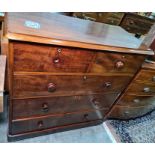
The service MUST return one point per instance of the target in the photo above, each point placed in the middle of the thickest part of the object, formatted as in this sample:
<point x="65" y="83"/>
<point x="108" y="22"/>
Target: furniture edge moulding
<point x="52" y="41"/>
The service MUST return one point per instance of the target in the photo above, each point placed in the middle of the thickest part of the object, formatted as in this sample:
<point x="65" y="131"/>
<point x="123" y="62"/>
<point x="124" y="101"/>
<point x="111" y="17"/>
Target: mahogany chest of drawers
<point x="139" y="96"/>
<point x="63" y="72"/>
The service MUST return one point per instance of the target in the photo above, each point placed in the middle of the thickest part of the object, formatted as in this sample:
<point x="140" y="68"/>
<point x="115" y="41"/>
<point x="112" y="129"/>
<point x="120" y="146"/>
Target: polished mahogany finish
<point x="66" y="78"/>
<point x="26" y="86"/>
<point x="23" y="108"/>
<point x="41" y="123"/>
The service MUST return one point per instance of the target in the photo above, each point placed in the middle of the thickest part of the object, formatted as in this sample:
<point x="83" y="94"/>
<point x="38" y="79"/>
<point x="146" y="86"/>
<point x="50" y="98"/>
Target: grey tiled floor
<point x="95" y="134"/>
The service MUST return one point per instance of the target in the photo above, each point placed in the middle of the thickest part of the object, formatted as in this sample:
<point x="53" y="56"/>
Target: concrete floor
<point x="95" y="134"/>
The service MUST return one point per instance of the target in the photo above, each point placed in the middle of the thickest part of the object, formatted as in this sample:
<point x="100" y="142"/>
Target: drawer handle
<point x="45" y="107"/>
<point x="136" y="100"/>
<point x="126" y="112"/>
<point x="56" y="60"/>
<point x="153" y="78"/>
<point x="119" y="64"/>
<point x="107" y="84"/>
<point x="86" y="117"/>
<point x="40" y="124"/>
<point x="96" y="103"/>
<point x="51" y="87"/>
<point x="146" y="89"/>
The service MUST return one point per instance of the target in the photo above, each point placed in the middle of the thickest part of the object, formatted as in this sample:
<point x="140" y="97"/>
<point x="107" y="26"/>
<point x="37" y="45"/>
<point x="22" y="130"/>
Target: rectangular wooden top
<point x="52" y="28"/>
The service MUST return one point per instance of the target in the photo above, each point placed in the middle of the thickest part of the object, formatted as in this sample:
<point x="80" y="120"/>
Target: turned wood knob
<point x="107" y="84"/>
<point x="146" y="89"/>
<point x="40" y="124"/>
<point x="51" y="87"/>
<point x="119" y="64"/>
<point x="126" y="112"/>
<point x="96" y="103"/>
<point x="86" y="117"/>
<point x="45" y="107"/>
<point x="56" y="60"/>
<point x="136" y="100"/>
<point x="153" y="78"/>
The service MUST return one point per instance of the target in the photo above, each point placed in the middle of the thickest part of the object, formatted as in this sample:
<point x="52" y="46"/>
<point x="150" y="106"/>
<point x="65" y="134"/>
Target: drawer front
<point x="37" y="124"/>
<point x="135" y="100"/>
<point x="66" y="85"/>
<point x="146" y="76"/>
<point x="121" y="112"/>
<point x="116" y="63"/>
<point x="141" y="89"/>
<point x="41" y="58"/>
<point x="61" y="105"/>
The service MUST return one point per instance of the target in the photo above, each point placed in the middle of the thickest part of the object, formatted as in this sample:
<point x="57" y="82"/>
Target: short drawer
<point x="141" y="89"/>
<point x="125" y="112"/>
<point x="42" y="58"/>
<point x="66" y="85"/>
<point x="146" y="76"/>
<point x="116" y="63"/>
<point x="42" y="123"/>
<point x="136" y="100"/>
<point x="23" y="108"/>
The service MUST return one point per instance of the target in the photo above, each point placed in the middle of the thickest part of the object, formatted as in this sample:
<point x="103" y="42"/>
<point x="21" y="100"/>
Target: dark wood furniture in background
<point x="65" y="72"/>
<point x="113" y="18"/>
<point x="134" y="23"/>
<point x="131" y="22"/>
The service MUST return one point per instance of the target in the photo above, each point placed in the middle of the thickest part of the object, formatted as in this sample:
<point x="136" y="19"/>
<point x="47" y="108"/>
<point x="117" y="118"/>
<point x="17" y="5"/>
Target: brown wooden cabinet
<point x="139" y="97"/>
<point x="65" y="72"/>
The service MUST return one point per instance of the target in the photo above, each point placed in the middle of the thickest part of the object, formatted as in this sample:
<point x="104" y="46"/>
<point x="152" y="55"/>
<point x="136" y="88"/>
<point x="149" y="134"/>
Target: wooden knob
<point x="40" y="124"/>
<point x="119" y="64"/>
<point x="96" y="103"/>
<point x="126" y="112"/>
<point x="136" y="100"/>
<point x="56" y="60"/>
<point x="107" y="84"/>
<point x="85" y="77"/>
<point x="86" y="117"/>
<point x="51" y="87"/>
<point x="153" y="78"/>
<point x="45" y="107"/>
<point x="146" y="89"/>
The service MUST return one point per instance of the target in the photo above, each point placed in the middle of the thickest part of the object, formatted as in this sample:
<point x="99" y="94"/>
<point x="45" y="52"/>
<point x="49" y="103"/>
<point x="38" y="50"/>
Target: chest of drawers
<point x="65" y="73"/>
<point x="139" y="97"/>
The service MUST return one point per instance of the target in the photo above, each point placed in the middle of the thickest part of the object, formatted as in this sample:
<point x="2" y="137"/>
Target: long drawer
<point x="146" y="76"/>
<point x="57" y="59"/>
<point x="141" y="88"/>
<point x="23" y="108"/>
<point x="37" y="124"/>
<point x="136" y="100"/>
<point x="66" y="85"/>
<point x="125" y="112"/>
